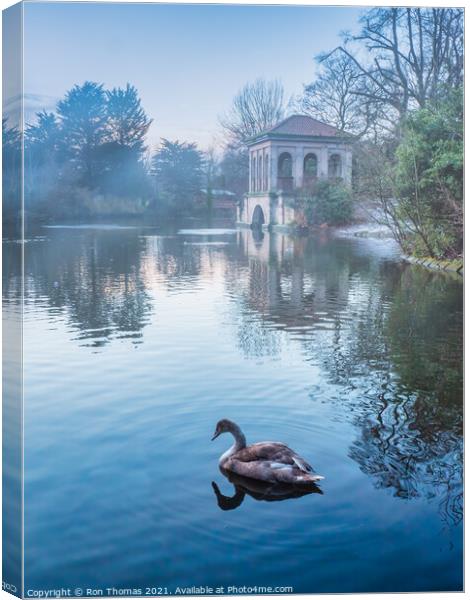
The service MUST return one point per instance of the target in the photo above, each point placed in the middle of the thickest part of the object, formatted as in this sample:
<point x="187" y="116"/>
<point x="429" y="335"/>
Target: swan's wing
<point x="271" y="471"/>
<point x="276" y="453"/>
<point x="256" y="469"/>
<point x="260" y="451"/>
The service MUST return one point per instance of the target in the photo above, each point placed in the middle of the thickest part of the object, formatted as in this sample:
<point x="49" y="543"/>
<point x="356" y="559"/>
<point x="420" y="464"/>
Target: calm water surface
<point x="138" y="341"/>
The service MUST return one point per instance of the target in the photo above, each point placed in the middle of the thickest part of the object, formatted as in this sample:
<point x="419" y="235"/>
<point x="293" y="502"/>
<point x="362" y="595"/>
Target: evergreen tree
<point x="41" y="156"/>
<point x="127" y="122"/>
<point x="83" y="120"/>
<point x="121" y="157"/>
<point x="178" y="168"/>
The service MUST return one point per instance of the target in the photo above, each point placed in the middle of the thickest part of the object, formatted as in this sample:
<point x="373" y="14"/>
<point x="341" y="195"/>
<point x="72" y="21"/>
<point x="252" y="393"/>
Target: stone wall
<point x="276" y="209"/>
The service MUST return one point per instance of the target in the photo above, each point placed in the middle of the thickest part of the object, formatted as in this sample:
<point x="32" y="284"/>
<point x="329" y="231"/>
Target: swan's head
<point x="225" y="426"/>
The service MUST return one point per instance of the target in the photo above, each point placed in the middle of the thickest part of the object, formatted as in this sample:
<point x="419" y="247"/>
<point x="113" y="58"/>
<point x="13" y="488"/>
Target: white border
<point x="365" y="3"/>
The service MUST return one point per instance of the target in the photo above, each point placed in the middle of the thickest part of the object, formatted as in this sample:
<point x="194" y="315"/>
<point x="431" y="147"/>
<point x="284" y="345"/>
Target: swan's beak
<point x="216" y="434"/>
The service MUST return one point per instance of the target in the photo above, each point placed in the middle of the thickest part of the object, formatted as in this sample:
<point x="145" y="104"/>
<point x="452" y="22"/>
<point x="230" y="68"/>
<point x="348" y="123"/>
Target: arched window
<point x="310" y="165"/>
<point x="253" y="174"/>
<point x="285" y="181"/>
<point x="266" y="172"/>
<point x="260" y="173"/>
<point x="334" y="166"/>
<point x="285" y="165"/>
<point x="310" y="168"/>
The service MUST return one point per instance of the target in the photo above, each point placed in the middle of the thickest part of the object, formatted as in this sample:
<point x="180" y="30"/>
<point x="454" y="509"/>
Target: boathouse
<point x="287" y="159"/>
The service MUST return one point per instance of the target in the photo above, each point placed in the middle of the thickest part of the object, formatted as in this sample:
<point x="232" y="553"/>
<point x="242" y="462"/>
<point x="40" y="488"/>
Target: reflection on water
<point x="259" y="490"/>
<point x="138" y="340"/>
<point x="95" y="281"/>
<point x="392" y="342"/>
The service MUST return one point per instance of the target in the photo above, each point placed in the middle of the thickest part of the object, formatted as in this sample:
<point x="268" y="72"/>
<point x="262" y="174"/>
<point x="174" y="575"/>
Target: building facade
<point x="291" y="156"/>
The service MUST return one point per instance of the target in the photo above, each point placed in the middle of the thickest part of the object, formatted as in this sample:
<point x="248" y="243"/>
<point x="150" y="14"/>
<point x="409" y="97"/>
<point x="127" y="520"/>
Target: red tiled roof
<point x="304" y="125"/>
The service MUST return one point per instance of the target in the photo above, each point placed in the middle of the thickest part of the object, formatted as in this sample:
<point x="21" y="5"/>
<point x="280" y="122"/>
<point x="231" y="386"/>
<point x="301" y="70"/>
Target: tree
<point x="257" y="107"/>
<point x="403" y="75"/>
<point x="410" y="53"/>
<point x="418" y="180"/>
<point x="429" y="178"/>
<point x="44" y="133"/>
<point x="234" y="169"/>
<point x="332" y="97"/>
<point x="83" y="122"/>
<point x="373" y="179"/>
<point x="120" y="157"/>
<point x="41" y="156"/>
<point x="120" y="171"/>
<point x="127" y="123"/>
<point x="89" y="156"/>
<point x="211" y="176"/>
<point x="178" y="168"/>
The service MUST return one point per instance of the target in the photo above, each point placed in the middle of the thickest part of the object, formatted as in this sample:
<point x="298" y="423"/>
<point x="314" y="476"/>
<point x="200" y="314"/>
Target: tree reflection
<point x="411" y="437"/>
<point x="388" y="336"/>
<point x="179" y="263"/>
<point x="94" y="278"/>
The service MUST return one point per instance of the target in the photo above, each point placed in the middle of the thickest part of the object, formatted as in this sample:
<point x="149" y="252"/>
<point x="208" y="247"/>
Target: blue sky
<point x="187" y="61"/>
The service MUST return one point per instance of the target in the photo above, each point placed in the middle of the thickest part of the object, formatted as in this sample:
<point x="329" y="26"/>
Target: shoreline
<point x="450" y="266"/>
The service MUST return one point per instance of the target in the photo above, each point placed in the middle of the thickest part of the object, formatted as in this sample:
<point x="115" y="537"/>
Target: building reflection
<point x="294" y="282"/>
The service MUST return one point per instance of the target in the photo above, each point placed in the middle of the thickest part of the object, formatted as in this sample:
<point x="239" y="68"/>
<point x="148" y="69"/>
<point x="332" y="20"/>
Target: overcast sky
<point x="187" y="61"/>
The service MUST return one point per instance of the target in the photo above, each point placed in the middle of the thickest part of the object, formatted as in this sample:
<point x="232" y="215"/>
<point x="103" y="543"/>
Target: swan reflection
<point x="259" y="490"/>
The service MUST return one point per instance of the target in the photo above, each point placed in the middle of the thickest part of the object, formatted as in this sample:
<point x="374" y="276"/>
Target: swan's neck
<point x="240" y="443"/>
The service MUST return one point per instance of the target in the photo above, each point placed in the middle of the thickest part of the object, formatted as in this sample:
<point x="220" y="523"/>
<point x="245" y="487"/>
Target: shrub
<point x="330" y="202"/>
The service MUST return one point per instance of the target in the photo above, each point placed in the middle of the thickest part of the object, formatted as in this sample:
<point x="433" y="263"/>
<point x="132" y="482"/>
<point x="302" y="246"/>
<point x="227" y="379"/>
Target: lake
<point x="138" y="340"/>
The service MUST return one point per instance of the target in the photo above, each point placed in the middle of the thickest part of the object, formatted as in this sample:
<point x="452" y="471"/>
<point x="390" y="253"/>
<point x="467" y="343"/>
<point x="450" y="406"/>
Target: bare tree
<point x="411" y="53"/>
<point x="375" y="185"/>
<point x="332" y="97"/>
<point x="257" y="107"/>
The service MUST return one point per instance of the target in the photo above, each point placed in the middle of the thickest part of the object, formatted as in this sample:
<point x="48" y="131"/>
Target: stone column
<point x="261" y="170"/>
<point x="323" y="162"/>
<point x="255" y="171"/>
<point x="298" y="170"/>
<point x="273" y="156"/>
<point x="250" y="176"/>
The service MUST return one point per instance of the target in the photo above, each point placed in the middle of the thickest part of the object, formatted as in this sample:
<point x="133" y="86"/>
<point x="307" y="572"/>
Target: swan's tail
<point x="306" y="478"/>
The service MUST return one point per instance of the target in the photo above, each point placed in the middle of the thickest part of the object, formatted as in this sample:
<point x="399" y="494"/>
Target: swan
<point x="273" y="462"/>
